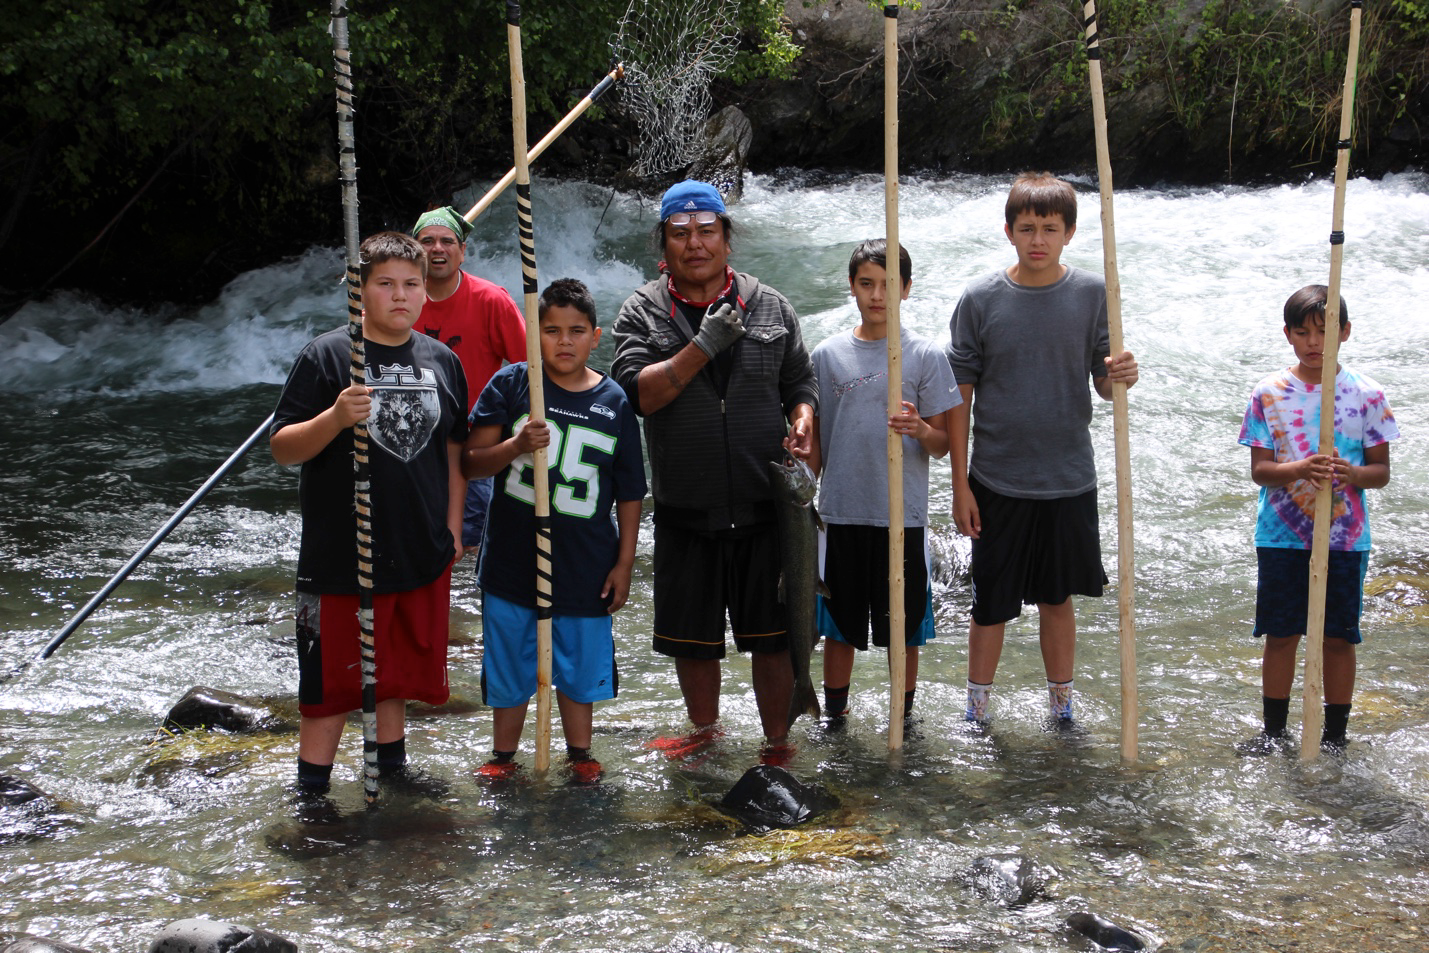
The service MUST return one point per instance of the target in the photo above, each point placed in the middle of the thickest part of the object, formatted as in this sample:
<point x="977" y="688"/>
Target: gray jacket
<point x="706" y="454"/>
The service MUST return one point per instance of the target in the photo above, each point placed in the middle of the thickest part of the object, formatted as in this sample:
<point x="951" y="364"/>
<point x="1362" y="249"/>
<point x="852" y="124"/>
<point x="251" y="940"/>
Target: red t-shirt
<point x="481" y="323"/>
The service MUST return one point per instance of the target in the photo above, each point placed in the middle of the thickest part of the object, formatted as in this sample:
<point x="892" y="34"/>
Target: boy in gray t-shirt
<point x="1026" y="341"/>
<point x="850" y="445"/>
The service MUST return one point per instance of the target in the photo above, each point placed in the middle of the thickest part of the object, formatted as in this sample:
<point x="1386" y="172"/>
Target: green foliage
<point x="774" y="50"/>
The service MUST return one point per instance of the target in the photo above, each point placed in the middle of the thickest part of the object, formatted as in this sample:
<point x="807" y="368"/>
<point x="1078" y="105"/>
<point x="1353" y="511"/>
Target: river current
<point x="113" y="416"/>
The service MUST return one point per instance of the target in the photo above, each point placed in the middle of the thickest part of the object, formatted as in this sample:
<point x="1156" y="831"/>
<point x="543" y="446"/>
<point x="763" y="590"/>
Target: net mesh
<point x="671" y="50"/>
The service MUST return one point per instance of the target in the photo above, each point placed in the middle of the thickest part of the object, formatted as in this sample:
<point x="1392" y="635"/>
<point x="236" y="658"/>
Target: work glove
<point x="719" y="330"/>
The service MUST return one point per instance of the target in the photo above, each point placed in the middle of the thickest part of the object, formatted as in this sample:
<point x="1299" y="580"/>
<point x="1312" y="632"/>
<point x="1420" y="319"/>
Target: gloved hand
<point x="719" y="330"/>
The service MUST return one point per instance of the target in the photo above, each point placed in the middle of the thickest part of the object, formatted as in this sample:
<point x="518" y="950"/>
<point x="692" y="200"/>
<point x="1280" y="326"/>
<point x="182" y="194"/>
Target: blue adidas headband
<point x="691" y="196"/>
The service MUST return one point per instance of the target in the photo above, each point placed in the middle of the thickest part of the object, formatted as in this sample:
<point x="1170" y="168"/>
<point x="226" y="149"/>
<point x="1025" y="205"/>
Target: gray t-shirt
<point x="853" y="425"/>
<point x="1030" y="354"/>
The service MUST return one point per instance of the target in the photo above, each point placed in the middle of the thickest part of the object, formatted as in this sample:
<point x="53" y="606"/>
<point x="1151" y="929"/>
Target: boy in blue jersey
<point x="592" y="442"/>
<point x="1281" y="428"/>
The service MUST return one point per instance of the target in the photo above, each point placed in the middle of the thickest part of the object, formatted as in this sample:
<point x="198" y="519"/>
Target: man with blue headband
<point x="716" y="364"/>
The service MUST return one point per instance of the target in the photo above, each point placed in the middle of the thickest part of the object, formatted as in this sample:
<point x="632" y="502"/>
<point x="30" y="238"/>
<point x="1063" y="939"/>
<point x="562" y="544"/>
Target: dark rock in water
<point x="217" y="936"/>
<point x="1104" y="933"/>
<point x="15" y="792"/>
<point x="724" y="152"/>
<point x="1008" y="880"/>
<point x="767" y="797"/>
<point x="204" y="707"/>
<point x="949" y="557"/>
<point x="36" y="944"/>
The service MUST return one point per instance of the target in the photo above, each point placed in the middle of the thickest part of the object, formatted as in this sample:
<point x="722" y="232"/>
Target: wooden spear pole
<point x="893" y="295"/>
<point x="362" y="487"/>
<point x="537" y="389"/>
<point x="1126" y="563"/>
<point x="1313" y="719"/>
<point x="599" y="90"/>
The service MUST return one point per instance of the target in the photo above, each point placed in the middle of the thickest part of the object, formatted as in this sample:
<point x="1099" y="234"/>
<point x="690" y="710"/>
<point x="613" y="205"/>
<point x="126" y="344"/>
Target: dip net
<point x="671" y="49"/>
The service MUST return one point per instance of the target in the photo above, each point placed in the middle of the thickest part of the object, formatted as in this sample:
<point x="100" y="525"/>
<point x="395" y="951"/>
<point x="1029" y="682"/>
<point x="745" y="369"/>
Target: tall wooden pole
<point x="1314" y="716"/>
<point x="362" y="487"/>
<point x="897" y="623"/>
<point x="537" y="389"/>
<point x="1126" y="562"/>
<point x="599" y="90"/>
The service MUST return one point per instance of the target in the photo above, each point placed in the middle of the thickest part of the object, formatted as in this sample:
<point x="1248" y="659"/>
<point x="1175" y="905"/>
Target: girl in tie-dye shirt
<point x="1282" y="429"/>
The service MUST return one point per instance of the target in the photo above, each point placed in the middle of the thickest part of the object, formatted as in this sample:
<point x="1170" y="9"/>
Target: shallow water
<point x="113" y="417"/>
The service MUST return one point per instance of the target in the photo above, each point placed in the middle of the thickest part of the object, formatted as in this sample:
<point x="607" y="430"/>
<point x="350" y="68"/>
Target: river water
<point x="113" y="416"/>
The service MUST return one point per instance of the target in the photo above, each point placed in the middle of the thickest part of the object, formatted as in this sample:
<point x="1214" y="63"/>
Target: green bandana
<point x="447" y="217"/>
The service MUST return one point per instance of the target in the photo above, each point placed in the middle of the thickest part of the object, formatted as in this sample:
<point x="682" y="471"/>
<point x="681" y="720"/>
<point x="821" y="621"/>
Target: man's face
<point x="445" y="252"/>
<point x="696" y="251"/>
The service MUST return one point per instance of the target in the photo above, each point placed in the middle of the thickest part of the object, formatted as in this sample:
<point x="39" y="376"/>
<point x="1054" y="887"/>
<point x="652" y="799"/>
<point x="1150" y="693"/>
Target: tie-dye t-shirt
<point x="1284" y="416"/>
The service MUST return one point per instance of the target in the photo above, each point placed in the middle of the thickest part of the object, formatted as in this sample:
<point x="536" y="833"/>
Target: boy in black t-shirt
<point x="415" y="404"/>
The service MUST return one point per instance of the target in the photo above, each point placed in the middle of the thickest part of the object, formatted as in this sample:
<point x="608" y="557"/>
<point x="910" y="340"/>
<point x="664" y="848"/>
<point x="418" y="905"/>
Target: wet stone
<point x="15" y="792"/>
<point x="36" y="944"/>
<point x="1104" y="933"/>
<point x="217" y="936"/>
<point x="1008" y="880"/>
<point x="204" y="707"/>
<point x="769" y="797"/>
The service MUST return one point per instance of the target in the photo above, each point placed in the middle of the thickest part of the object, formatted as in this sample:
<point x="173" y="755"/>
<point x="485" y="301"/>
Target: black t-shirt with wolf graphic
<point x="418" y="406"/>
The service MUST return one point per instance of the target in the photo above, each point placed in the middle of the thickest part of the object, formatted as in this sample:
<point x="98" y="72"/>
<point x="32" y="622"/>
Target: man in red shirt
<point x="475" y="318"/>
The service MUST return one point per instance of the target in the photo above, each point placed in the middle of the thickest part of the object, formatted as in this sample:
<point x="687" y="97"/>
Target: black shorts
<point x="1282" y="593"/>
<point x="698" y="577"/>
<point x="855" y="570"/>
<point x="1033" y="551"/>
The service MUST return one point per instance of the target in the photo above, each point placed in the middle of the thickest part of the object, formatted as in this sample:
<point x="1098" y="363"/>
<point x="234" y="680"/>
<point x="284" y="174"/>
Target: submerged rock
<point x="15" y="792"/>
<point x="38" y="944"/>
<point x="204" y="707"/>
<point x="767" y="797"/>
<point x="1105" y="934"/>
<point x="1008" y="880"/>
<point x="217" y="936"/>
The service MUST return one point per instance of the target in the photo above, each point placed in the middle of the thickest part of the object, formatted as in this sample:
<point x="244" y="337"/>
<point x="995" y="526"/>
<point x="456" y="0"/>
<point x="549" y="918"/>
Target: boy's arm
<point x="1119" y="370"/>
<point x="1266" y="471"/>
<point x="456" y="493"/>
<point x="617" y="581"/>
<point x="486" y="454"/>
<point x="965" y="511"/>
<point x="931" y="432"/>
<point x="816" y="452"/>
<point x="300" y="442"/>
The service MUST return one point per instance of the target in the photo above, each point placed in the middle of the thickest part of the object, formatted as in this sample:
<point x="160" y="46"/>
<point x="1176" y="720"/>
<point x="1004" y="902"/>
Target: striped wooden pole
<point x="538" y="401"/>
<point x="1313" y="716"/>
<point x="1126" y="562"/>
<point x="362" y="487"/>
<point x="897" y="621"/>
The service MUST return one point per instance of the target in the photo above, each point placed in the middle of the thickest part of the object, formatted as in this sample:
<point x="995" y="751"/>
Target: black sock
<point x="835" y="701"/>
<point x="1337" y="719"/>
<point x="578" y="754"/>
<point x="502" y="757"/>
<point x="391" y="755"/>
<point x="908" y="702"/>
<point x="314" y="778"/>
<point x="1276" y="710"/>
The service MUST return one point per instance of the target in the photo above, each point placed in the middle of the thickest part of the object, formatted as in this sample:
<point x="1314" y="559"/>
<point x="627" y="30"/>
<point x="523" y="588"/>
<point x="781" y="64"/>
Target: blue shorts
<point x="853" y="563"/>
<point x="582" y="655"/>
<point x="1282" y="593"/>
<point x="473" y="516"/>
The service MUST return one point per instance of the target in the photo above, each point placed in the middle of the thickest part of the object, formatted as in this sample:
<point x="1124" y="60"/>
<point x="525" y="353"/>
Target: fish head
<point x="793" y="480"/>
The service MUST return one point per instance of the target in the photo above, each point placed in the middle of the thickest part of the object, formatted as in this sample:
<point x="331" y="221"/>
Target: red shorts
<point x="411" y="648"/>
